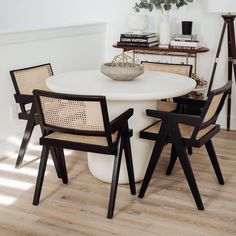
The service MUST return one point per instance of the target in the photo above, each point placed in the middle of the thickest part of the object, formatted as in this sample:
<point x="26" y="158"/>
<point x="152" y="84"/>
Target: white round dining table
<point x="140" y="94"/>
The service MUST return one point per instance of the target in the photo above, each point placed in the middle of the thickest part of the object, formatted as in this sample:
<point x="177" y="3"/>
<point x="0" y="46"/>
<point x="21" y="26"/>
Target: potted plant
<point x="164" y="6"/>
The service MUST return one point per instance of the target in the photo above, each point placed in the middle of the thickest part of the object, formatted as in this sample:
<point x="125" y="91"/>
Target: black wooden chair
<point x="184" y="131"/>
<point x="25" y="81"/>
<point x="82" y="123"/>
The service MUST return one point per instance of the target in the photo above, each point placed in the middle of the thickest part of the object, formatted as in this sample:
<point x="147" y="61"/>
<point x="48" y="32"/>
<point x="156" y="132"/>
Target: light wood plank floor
<point x="80" y="207"/>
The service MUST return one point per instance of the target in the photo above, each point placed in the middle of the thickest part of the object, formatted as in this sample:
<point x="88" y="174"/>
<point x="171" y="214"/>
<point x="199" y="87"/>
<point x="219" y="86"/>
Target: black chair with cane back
<point x="184" y="131"/>
<point x="82" y="123"/>
<point x="25" y="80"/>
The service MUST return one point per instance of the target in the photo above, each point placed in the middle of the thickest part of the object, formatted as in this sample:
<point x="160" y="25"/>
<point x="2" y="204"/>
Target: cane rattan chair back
<point x="180" y="69"/>
<point x="25" y="81"/>
<point x="84" y="115"/>
<point x="212" y="109"/>
<point x="186" y="131"/>
<point x="82" y="123"/>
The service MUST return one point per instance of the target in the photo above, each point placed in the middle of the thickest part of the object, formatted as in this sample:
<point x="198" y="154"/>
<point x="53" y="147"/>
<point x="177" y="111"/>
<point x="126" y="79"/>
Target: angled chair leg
<point x="184" y="161"/>
<point x="115" y="178"/>
<point x="56" y="162"/>
<point x="191" y="180"/>
<point x="173" y="158"/>
<point x="41" y="172"/>
<point x="61" y="160"/>
<point x="129" y="164"/>
<point x="158" y="147"/>
<point x="214" y="161"/>
<point x="25" y="141"/>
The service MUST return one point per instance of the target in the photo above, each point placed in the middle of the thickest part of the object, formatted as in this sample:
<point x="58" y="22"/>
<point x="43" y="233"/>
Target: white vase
<point x="165" y="37"/>
<point x="138" y="22"/>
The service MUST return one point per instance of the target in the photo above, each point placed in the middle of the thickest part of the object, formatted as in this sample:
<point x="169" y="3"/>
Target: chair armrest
<point x="23" y="98"/>
<point x="121" y="119"/>
<point x="175" y="117"/>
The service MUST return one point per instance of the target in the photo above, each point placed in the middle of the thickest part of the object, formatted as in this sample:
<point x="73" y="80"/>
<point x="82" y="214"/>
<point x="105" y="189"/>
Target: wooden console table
<point x="166" y="52"/>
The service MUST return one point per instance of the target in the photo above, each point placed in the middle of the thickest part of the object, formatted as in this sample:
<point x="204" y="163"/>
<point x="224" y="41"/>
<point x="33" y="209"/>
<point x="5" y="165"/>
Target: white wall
<point x="31" y="13"/>
<point x="44" y="13"/>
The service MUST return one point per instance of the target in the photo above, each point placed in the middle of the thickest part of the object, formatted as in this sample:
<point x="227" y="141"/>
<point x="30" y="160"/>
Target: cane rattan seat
<point x="180" y="69"/>
<point x="167" y="106"/>
<point x="185" y="131"/>
<point x="93" y="140"/>
<point x="82" y="123"/>
<point x="25" y="81"/>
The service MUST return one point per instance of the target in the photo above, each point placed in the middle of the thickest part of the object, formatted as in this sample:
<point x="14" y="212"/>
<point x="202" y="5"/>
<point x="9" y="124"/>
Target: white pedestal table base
<point x="101" y="166"/>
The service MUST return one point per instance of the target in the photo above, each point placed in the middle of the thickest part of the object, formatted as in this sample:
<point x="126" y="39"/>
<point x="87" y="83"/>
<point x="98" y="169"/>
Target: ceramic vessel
<point x="187" y="27"/>
<point x="165" y="37"/>
<point x="116" y="71"/>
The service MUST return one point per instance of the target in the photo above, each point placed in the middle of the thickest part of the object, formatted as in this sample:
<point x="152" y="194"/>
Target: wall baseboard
<point x="28" y="35"/>
<point x="222" y="120"/>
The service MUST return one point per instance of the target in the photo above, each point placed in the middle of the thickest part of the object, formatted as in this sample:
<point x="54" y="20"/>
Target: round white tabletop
<point x="139" y="94"/>
<point x="152" y="85"/>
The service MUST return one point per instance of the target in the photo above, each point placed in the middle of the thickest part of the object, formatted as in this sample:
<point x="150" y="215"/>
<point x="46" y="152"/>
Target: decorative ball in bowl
<point x="122" y="71"/>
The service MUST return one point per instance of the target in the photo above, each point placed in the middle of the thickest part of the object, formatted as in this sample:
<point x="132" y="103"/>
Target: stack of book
<point x="143" y="39"/>
<point x="181" y="41"/>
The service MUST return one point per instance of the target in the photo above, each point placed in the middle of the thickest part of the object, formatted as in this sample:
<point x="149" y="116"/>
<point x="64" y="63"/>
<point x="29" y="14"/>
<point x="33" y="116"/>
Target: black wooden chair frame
<point x="170" y="133"/>
<point x="119" y="124"/>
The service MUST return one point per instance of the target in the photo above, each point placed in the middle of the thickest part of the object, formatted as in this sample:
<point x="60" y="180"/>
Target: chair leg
<point x="115" y="178"/>
<point x="61" y="160"/>
<point x="158" y="147"/>
<point x="56" y="162"/>
<point x="25" y="141"/>
<point x="184" y="161"/>
<point x="214" y="161"/>
<point x="129" y="164"/>
<point x="41" y="172"/>
<point x="173" y="158"/>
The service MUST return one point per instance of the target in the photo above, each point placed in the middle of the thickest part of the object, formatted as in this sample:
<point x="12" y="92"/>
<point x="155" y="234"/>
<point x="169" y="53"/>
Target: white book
<point x="163" y="45"/>
<point x="174" y="43"/>
<point x="182" y="37"/>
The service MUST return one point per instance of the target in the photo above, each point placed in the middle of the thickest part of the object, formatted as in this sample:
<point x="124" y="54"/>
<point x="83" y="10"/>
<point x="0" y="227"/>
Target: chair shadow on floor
<point x="70" y="169"/>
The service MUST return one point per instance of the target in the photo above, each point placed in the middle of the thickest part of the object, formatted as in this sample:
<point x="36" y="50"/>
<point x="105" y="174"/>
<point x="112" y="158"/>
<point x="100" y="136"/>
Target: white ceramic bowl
<point x="121" y="71"/>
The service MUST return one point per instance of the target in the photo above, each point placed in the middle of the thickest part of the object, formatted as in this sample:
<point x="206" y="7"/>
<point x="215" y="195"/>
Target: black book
<point x="138" y="44"/>
<point x="144" y="35"/>
<point x="138" y="40"/>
